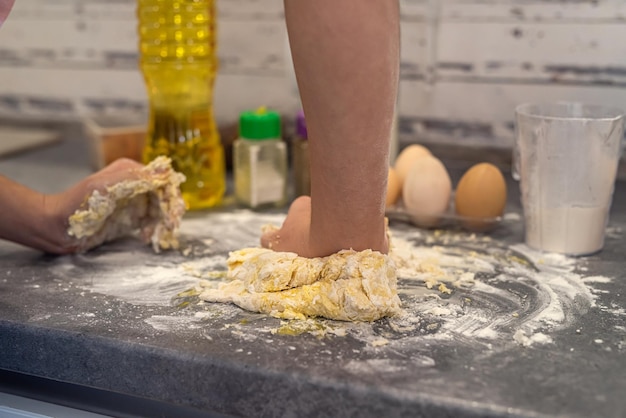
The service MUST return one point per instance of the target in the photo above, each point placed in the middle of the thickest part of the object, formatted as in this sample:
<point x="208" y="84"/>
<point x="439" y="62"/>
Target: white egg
<point x="426" y="191"/>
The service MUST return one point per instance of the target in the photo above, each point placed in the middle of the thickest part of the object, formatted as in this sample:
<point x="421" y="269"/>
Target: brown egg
<point x="394" y="186"/>
<point x="426" y="191"/>
<point x="406" y="158"/>
<point x="480" y="196"/>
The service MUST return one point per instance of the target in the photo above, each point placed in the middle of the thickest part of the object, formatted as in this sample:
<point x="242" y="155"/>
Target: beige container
<point x="112" y="138"/>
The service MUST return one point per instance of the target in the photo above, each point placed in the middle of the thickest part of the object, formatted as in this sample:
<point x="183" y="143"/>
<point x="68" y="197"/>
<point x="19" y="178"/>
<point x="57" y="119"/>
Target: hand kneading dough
<point x="347" y="286"/>
<point x="151" y="203"/>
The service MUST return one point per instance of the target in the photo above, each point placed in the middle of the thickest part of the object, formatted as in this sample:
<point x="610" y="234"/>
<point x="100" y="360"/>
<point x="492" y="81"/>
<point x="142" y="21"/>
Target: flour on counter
<point x="135" y="276"/>
<point x="537" y="338"/>
<point x="455" y="287"/>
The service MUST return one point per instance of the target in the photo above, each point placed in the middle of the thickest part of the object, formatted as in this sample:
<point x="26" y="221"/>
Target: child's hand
<point x="59" y="207"/>
<point x="295" y="235"/>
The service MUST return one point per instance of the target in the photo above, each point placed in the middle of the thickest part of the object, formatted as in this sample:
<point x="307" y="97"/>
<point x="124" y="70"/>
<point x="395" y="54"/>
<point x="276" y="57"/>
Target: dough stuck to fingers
<point x="347" y="286"/>
<point x="151" y="204"/>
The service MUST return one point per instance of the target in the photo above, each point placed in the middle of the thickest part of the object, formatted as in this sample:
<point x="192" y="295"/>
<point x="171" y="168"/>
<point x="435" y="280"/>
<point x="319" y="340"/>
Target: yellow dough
<point x="150" y="204"/>
<point x="347" y="286"/>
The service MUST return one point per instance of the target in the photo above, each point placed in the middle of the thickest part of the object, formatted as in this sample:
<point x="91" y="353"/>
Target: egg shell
<point x="394" y="187"/>
<point x="407" y="157"/>
<point x="480" y="196"/>
<point x="426" y="191"/>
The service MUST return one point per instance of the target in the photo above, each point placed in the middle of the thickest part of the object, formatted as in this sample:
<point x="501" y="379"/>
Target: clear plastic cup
<point x="566" y="156"/>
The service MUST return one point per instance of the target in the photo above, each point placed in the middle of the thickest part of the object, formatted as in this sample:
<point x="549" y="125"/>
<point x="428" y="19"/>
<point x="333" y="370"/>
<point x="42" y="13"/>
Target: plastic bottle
<point x="260" y="160"/>
<point x="300" y="158"/>
<point x="178" y="61"/>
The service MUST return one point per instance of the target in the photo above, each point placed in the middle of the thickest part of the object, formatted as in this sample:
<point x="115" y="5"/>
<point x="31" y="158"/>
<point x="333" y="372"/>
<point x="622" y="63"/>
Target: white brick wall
<point x="465" y="63"/>
<point x="481" y="58"/>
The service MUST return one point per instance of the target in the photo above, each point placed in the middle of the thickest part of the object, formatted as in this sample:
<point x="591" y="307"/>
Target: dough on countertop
<point x="150" y="204"/>
<point x="348" y="286"/>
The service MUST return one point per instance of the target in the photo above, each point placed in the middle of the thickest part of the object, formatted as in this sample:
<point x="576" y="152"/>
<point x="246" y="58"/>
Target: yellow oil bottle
<point x="177" y="45"/>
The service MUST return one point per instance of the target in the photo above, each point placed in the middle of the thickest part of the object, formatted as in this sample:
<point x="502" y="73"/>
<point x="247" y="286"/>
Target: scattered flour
<point x="457" y="287"/>
<point x="537" y="338"/>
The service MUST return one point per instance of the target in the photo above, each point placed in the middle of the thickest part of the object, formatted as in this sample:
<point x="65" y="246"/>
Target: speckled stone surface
<point x="63" y="319"/>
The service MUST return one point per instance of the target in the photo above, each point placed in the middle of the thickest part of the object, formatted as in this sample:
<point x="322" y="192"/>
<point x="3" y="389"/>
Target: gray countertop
<point x="521" y="334"/>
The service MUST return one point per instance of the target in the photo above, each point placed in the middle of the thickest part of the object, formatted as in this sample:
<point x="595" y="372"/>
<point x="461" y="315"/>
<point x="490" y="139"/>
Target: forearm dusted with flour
<point x="346" y="58"/>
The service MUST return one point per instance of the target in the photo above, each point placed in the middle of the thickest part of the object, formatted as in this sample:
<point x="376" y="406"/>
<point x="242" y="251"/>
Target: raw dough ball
<point x="480" y="196"/>
<point x="407" y="157"/>
<point x="426" y="191"/>
<point x="346" y="286"/>
<point x="394" y="187"/>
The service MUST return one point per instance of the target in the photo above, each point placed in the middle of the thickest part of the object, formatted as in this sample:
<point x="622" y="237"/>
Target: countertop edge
<point x="164" y="375"/>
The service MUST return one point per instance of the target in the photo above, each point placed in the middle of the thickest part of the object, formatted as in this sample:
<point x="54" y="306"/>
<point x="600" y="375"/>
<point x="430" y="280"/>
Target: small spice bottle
<point x="260" y="160"/>
<point x="300" y="158"/>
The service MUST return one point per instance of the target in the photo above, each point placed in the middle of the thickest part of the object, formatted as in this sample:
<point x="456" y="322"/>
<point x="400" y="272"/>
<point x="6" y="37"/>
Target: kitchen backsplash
<point x="465" y="63"/>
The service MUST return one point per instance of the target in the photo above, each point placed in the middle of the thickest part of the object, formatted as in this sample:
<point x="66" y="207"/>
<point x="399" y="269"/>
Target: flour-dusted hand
<point x="148" y="203"/>
<point x="42" y="221"/>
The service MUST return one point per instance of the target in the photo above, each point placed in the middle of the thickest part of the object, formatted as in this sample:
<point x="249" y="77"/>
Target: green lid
<point x="259" y="124"/>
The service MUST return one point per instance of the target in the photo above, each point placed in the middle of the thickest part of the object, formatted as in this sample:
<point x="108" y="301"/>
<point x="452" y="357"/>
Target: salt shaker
<point x="260" y="160"/>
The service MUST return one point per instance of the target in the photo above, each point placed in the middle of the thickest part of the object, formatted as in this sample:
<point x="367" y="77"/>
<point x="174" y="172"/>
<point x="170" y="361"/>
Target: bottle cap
<point x="301" y="125"/>
<point x="259" y="124"/>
